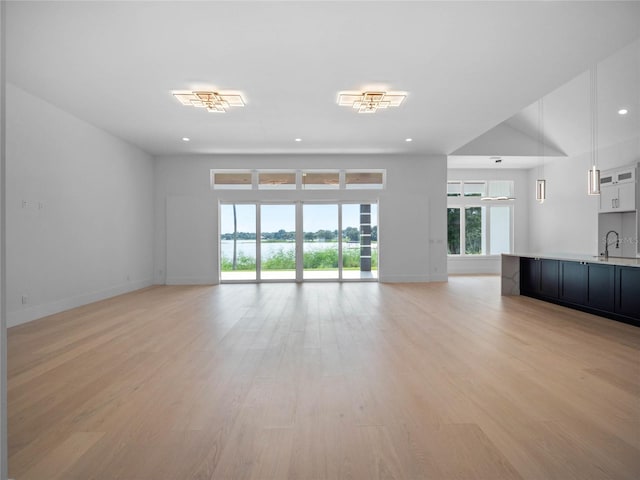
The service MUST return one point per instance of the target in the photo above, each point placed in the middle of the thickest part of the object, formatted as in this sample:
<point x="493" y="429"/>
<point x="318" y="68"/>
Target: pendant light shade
<point x="541" y="190"/>
<point x="593" y="176"/>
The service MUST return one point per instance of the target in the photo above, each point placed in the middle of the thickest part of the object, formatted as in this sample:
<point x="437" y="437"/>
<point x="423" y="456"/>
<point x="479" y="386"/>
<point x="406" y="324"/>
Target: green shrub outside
<point x="280" y="260"/>
<point x="314" y="260"/>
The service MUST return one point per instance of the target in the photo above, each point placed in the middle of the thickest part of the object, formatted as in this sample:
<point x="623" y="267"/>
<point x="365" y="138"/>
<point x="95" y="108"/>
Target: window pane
<point x="364" y="180"/>
<point x="500" y="230"/>
<point x="453" y="231"/>
<point x="473" y="230"/>
<point x="454" y="189"/>
<point x="237" y="242"/>
<point x="320" y="181"/>
<point x="474" y="189"/>
<point x="232" y="181"/>
<point x="276" y="181"/>
<point x="278" y="244"/>
<point x="320" y="248"/>
<point x="501" y="188"/>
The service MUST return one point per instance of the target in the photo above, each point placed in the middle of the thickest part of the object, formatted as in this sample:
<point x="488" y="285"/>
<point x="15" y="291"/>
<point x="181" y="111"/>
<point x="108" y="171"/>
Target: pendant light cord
<point x="541" y="133"/>
<point x="594" y="116"/>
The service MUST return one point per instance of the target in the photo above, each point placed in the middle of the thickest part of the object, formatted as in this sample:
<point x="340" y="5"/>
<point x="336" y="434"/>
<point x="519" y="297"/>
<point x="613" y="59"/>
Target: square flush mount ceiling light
<point x="213" y="101"/>
<point x="370" y="102"/>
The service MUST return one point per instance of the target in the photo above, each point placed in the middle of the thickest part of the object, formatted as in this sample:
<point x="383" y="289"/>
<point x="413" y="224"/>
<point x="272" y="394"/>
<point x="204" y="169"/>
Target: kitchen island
<point x="606" y="287"/>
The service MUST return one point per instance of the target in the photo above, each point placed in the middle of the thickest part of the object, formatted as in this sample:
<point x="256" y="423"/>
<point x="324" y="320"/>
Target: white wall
<point x="79" y="211"/>
<point x="567" y="222"/>
<point x="412" y="214"/>
<point x="522" y="189"/>
<point x="3" y="283"/>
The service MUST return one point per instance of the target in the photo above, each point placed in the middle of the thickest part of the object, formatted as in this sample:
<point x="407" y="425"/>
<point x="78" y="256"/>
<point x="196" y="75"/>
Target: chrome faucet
<point x="606" y="243"/>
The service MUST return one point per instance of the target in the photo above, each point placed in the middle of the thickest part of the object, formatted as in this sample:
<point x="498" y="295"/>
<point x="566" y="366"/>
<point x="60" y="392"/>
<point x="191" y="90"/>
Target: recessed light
<point x="623" y="111"/>
<point x="186" y="139"/>
<point x="298" y="139"/>
<point x="408" y="139"/>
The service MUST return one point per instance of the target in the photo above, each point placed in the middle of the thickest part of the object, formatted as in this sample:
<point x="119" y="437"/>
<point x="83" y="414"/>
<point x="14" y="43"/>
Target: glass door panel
<point x="359" y="241"/>
<point x="321" y="246"/>
<point x="278" y="242"/>
<point x="237" y="242"/>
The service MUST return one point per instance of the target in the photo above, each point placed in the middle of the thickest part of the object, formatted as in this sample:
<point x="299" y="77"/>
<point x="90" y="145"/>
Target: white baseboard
<point x="474" y="265"/>
<point x="192" y="281"/>
<point x="34" y="312"/>
<point x="413" y="278"/>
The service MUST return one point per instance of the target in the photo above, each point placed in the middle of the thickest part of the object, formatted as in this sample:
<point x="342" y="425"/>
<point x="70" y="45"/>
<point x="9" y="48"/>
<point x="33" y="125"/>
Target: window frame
<point x="462" y="202"/>
<point x="299" y="183"/>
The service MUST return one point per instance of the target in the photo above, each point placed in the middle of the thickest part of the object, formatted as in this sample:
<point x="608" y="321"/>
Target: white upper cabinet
<point x="618" y="189"/>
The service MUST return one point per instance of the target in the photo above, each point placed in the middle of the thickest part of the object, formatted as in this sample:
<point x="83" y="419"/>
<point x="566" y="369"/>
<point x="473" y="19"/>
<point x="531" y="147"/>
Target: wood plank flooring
<point x="324" y="381"/>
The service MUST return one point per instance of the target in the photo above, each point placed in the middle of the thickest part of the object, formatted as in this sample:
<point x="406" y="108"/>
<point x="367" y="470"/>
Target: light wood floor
<point x="355" y="381"/>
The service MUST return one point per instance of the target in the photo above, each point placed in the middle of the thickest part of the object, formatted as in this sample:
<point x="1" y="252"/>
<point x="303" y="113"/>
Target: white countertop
<point x="627" y="262"/>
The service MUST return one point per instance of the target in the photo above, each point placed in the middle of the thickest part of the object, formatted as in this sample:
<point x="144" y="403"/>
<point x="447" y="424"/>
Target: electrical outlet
<point x="25" y="299"/>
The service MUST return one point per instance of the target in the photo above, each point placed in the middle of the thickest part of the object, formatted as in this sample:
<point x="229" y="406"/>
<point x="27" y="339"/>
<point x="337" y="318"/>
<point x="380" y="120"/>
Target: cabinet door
<point x="628" y="291"/>
<point x="626" y="197"/>
<point x="601" y="287"/>
<point x="549" y="276"/>
<point x="529" y="276"/>
<point x="608" y="198"/>
<point x="573" y="282"/>
<point x="626" y="175"/>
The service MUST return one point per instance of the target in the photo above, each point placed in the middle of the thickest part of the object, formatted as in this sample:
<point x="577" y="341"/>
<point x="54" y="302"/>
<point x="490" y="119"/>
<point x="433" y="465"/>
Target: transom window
<point x="367" y="179"/>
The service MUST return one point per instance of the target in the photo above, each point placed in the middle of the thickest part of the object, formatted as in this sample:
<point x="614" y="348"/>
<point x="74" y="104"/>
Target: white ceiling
<point x="565" y="124"/>
<point x="468" y="66"/>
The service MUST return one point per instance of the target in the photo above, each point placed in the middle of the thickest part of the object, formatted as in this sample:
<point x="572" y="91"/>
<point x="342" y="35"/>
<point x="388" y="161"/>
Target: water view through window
<point x="327" y="251"/>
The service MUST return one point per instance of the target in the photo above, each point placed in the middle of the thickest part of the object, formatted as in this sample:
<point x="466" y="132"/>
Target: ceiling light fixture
<point x="408" y="139"/>
<point x="370" y="102"/>
<point x="298" y="140"/>
<point x="218" y="102"/>
<point x="623" y="111"/>
<point x="186" y="139"/>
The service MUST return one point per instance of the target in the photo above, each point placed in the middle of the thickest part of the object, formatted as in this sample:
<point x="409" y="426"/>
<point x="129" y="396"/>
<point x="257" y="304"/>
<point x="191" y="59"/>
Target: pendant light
<point x="593" y="174"/>
<point x="541" y="183"/>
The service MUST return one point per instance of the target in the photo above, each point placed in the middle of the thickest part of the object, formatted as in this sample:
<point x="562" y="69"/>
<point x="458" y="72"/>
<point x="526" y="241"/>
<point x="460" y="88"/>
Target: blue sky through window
<point x="283" y="217"/>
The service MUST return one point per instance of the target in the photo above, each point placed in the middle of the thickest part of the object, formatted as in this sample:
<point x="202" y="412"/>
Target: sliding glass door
<point x="238" y="242"/>
<point x="321" y="241"/>
<point x="278" y="242"/>
<point x="298" y="241"/>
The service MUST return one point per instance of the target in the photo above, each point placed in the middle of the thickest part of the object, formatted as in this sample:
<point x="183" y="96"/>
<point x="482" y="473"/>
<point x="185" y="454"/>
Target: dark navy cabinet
<point x="628" y="291"/>
<point x="573" y="282"/>
<point x="539" y="276"/>
<point x="549" y="280"/>
<point x="529" y="276"/>
<point x="607" y="290"/>
<point x="601" y="286"/>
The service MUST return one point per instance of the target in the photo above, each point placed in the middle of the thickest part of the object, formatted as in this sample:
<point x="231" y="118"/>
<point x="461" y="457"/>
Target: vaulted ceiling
<point x="467" y="67"/>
